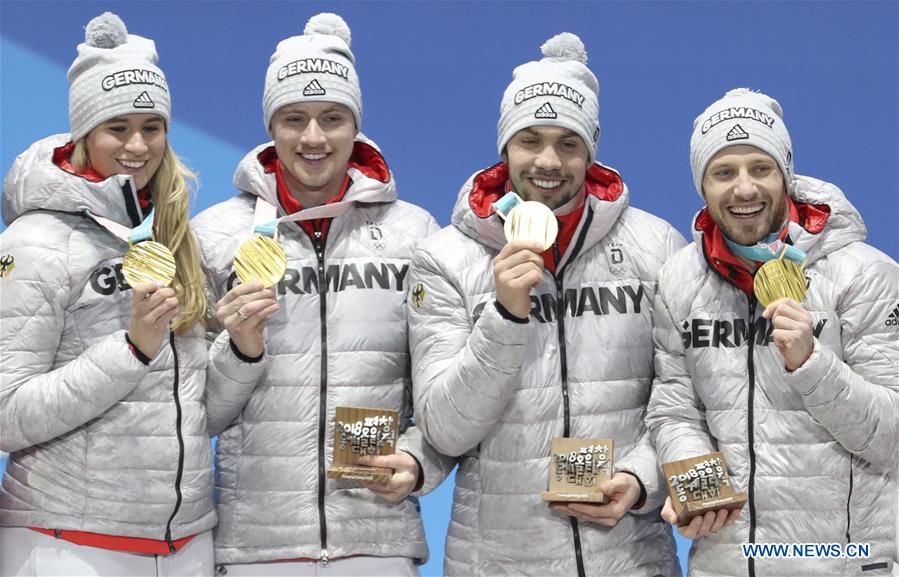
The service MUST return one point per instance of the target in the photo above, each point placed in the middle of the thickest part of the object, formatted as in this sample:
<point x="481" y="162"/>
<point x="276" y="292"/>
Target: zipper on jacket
<point x="848" y="502"/>
<point x="751" y="430"/>
<point x="180" y="473"/>
<point x="563" y="358"/>
<point x="318" y="243"/>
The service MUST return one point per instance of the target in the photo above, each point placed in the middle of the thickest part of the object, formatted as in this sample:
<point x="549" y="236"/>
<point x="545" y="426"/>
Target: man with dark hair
<point x="515" y="343"/>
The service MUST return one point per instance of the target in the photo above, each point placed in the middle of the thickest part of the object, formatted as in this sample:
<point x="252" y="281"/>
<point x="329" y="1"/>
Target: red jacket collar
<point x="62" y="157"/>
<point x="490" y="185"/>
<point x="812" y="218"/>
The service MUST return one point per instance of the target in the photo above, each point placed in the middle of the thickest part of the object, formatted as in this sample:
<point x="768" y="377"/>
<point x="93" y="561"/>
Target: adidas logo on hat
<point x="313" y="89"/>
<point x="144" y="101"/>
<point x="546" y="111"/>
<point x="737" y="133"/>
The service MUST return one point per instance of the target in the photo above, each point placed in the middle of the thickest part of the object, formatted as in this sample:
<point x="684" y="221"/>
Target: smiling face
<point x="314" y="142"/>
<point x="745" y="193"/>
<point x="131" y="144"/>
<point x="547" y="164"/>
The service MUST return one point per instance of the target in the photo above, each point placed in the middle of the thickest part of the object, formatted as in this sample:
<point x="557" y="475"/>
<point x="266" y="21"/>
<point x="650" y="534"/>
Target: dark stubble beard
<point x="774" y="224"/>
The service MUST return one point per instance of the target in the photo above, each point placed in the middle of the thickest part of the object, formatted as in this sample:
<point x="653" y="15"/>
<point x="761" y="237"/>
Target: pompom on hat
<point x="741" y="116"/>
<point x="115" y="73"/>
<point x="558" y="90"/>
<point x="317" y="66"/>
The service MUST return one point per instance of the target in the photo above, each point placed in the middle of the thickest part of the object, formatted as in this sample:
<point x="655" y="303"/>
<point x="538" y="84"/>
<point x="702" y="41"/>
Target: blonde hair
<point x="170" y="191"/>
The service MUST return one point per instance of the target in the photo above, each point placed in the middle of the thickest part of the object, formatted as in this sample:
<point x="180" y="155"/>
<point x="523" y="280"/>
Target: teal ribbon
<point x="767" y="249"/>
<point x="266" y="228"/>
<point x="509" y="201"/>
<point x="143" y="231"/>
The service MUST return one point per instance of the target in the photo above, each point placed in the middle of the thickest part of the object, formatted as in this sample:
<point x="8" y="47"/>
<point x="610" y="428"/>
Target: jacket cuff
<point x="649" y="475"/>
<point x="138" y="354"/>
<point x="420" y="480"/>
<point x="641" y="500"/>
<point x="812" y="379"/>
<point x="227" y="360"/>
<point x="504" y="312"/>
<point x="242" y="356"/>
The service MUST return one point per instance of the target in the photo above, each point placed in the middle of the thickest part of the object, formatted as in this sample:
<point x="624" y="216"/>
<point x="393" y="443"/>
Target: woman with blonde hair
<point x="101" y="386"/>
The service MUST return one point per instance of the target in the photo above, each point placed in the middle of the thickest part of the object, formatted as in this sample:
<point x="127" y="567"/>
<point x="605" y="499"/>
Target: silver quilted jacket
<point x="496" y="392"/>
<point x="339" y="338"/>
<point x="817" y="448"/>
<point x="99" y="441"/>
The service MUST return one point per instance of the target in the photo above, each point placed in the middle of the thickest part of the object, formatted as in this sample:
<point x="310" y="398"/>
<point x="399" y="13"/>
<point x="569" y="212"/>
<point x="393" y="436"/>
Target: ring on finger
<point x="242" y="315"/>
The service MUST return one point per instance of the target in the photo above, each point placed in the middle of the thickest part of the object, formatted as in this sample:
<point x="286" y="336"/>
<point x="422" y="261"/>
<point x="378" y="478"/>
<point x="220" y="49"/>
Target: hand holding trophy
<point x="360" y="432"/>
<point x="702" y="498"/>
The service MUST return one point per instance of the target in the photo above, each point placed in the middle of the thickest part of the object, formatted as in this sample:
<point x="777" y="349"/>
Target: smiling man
<point x="335" y="334"/>
<point x="802" y="398"/>
<point x="513" y="345"/>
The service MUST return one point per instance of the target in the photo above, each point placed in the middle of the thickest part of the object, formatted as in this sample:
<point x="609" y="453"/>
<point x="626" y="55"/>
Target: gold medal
<point x="148" y="261"/>
<point x="777" y="279"/>
<point x="262" y="259"/>
<point x="534" y="221"/>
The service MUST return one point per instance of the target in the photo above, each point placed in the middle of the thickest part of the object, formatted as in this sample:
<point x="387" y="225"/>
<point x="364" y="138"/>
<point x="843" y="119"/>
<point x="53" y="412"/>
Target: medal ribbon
<point x="140" y="233"/>
<point x="504" y="205"/>
<point x="768" y="248"/>
<point x="265" y="223"/>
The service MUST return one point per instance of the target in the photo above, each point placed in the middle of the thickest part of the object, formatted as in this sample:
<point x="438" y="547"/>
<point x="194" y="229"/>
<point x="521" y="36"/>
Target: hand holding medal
<point x="527" y="220"/>
<point x="779" y="278"/>
<point x="531" y="228"/>
<point x="153" y="306"/>
<point x="149" y="267"/>
<point x="780" y="286"/>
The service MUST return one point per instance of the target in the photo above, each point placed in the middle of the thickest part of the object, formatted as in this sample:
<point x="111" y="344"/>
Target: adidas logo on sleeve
<point x="893" y="318"/>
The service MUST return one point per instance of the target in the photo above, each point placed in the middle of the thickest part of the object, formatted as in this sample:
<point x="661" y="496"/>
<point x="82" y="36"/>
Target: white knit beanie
<point x="115" y="73"/>
<point x="558" y="90"/>
<point x="741" y="117"/>
<point x="314" y="67"/>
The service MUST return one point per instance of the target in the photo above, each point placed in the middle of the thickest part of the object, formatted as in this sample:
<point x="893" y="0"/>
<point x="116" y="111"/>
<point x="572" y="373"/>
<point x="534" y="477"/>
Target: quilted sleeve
<point x="857" y="399"/>
<point x="39" y="403"/>
<point x="675" y="415"/>
<point x="463" y="376"/>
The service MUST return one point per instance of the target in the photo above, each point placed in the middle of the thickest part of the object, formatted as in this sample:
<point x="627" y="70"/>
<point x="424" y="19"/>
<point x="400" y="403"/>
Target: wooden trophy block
<point x="700" y="484"/>
<point x="577" y="467"/>
<point x="361" y="432"/>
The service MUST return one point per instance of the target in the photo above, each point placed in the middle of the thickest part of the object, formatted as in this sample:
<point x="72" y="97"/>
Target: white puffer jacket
<point x="339" y="338"/>
<point x="816" y="449"/>
<point x="497" y="392"/>
<point x="99" y="441"/>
